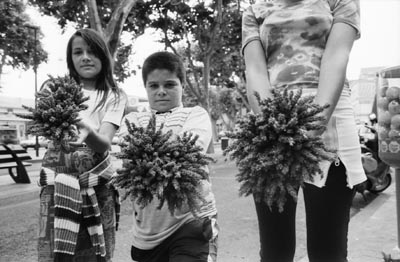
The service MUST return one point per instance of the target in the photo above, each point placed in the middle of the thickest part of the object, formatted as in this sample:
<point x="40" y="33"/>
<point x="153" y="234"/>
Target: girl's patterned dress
<point x="293" y="34"/>
<point x="75" y="164"/>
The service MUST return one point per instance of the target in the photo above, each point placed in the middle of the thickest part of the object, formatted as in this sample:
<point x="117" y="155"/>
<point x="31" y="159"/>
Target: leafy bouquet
<point x="272" y="150"/>
<point x="57" y="110"/>
<point x="155" y="165"/>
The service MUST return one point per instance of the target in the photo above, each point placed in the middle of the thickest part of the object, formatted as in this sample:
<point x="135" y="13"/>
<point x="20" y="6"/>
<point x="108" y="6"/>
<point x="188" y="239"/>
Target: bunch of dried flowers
<point x="156" y="164"/>
<point x="274" y="151"/>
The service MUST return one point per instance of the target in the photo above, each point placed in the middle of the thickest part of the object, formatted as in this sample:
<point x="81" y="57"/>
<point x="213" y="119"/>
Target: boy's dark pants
<point x="327" y="219"/>
<point x="193" y="242"/>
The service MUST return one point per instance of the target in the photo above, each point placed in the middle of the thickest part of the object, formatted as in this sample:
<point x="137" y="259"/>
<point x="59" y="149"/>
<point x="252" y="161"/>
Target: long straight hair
<point x="105" y="82"/>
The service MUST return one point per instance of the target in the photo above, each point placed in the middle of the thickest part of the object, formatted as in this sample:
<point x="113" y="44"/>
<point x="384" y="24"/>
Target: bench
<point x="14" y="156"/>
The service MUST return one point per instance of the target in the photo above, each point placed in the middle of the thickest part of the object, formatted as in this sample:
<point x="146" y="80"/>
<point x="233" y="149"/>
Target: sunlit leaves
<point x="17" y="40"/>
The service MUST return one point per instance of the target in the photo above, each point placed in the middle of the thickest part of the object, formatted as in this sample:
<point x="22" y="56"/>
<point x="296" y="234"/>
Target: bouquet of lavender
<point x="155" y="165"/>
<point x="56" y="113"/>
<point x="272" y="150"/>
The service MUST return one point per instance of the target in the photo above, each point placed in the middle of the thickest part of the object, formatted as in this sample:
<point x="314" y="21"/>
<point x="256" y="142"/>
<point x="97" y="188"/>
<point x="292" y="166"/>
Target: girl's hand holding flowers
<point x="57" y="112"/>
<point x="82" y="131"/>
<point x="318" y="132"/>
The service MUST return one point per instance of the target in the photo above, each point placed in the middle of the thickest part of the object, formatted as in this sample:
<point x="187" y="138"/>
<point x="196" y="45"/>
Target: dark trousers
<point x="327" y="219"/>
<point x="193" y="242"/>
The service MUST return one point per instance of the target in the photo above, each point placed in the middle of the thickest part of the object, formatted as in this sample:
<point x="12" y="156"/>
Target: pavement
<point x="372" y="231"/>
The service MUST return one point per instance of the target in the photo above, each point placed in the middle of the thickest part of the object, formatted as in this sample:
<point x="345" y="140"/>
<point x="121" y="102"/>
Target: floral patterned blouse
<point x="293" y="34"/>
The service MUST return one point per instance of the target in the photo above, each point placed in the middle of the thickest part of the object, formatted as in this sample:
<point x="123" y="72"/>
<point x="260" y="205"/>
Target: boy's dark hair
<point x="164" y="60"/>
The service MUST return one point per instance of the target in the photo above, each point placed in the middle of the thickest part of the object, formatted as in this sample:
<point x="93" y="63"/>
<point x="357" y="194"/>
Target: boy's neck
<point x="166" y="111"/>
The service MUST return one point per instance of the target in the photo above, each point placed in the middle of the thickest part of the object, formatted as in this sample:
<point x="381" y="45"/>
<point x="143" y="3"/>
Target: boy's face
<point x="164" y="90"/>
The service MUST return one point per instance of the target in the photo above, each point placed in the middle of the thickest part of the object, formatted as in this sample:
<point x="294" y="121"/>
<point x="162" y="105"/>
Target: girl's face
<point x="86" y="63"/>
<point x="164" y="90"/>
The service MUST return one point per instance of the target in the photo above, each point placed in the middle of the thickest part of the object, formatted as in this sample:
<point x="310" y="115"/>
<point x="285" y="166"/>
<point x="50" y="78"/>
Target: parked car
<point x="31" y="142"/>
<point x="8" y="135"/>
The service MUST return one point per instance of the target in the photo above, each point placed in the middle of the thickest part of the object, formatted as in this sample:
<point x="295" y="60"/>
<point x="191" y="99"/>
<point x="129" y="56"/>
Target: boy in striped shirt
<point x="159" y="236"/>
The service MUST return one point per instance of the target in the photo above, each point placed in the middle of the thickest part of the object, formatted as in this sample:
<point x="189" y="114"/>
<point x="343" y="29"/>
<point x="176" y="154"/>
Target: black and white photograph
<point x="200" y="130"/>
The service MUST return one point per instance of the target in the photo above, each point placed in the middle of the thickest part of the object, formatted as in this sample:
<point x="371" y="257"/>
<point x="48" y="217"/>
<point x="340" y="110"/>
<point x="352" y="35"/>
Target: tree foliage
<point x="109" y="17"/>
<point x="226" y="104"/>
<point x="205" y="33"/>
<point x="17" y="40"/>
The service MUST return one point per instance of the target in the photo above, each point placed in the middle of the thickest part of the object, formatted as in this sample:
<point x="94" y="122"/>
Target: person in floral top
<point x="306" y="44"/>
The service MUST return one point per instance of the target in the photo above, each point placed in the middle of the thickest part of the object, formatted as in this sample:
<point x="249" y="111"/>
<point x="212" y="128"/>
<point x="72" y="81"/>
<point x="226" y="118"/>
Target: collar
<point x="167" y="112"/>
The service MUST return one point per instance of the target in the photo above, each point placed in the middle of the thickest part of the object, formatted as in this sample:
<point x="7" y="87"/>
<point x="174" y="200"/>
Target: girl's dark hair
<point x="164" y="60"/>
<point x="105" y="82"/>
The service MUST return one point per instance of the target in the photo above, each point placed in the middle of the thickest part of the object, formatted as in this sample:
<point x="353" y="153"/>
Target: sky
<point x="379" y="45"/>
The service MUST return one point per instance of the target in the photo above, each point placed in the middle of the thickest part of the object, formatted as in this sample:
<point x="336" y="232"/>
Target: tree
<point x="109" y="17"/>
<point x="226" y="104"/>
<point x="17" y="40"/>
<point x="201" y="33"/>
<point x="196" y="26"/>
<point x="206" y="34"/>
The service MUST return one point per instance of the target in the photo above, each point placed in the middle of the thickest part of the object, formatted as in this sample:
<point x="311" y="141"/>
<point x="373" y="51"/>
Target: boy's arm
<point x="199" y="123"/>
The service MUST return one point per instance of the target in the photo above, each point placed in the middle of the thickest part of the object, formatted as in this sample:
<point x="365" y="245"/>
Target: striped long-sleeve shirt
<point x="151" y="225"/>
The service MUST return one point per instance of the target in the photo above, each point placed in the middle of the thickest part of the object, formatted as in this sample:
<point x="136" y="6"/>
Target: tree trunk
<point x="193" y="90"/>
<point x="94" y="18"/>
<point x="3" y="61"/>
<point x="209" y="51"/>
<point x="1" y="71"/>
<point x="206" y="81"/>
<point x="214" y="129"/>
<point x="114" y="28"/>
<point x="244" y="97"/>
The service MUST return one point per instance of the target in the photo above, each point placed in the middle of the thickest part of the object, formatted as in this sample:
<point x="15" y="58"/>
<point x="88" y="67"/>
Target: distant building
<point x="14" y="128"/>
<point x="137" y="104"/>
<point x="8" y="121"/>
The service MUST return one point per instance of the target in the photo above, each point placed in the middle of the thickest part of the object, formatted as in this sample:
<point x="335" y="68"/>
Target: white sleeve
<point x="115" y="110"/>
<point x="199" y="123"/>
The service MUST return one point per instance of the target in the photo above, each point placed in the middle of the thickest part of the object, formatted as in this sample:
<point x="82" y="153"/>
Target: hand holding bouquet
<point x="57" y="111"/>
<point x="274" y="151"/>
<point x="156" y="165"/>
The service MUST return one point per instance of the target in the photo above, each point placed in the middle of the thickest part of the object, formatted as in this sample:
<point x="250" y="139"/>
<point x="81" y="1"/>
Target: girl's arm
<point x="100" y="141"/>
<point x="333" y="66"/>
<point x="257" y="79"/>
<point x="97" y="141"/>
